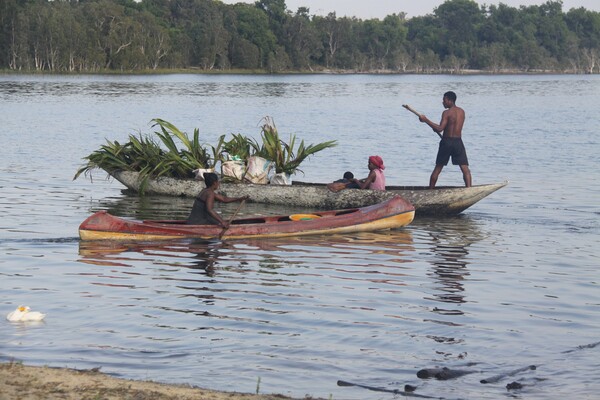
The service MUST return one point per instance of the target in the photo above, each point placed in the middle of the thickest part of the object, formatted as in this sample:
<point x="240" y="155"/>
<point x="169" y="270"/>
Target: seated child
<point x="347" y="182"/>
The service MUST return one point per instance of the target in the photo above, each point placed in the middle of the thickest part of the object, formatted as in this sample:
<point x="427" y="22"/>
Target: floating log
<point x="496" y="378"/>
<point x="378" y="389"/>
<point x="442" y="374"/>
<point x="585" y="346"/>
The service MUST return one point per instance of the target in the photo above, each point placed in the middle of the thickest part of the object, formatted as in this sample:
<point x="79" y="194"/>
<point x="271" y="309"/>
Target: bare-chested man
<point x="453" y="119"/>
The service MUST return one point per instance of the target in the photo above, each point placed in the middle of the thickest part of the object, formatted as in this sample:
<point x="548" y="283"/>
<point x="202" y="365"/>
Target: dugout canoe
<point x="443" y="200"/>
<point x="393" y="213"/>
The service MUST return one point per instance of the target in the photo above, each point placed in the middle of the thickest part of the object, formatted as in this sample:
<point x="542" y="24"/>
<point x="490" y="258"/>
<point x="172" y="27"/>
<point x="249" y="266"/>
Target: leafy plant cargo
<point x="164" y="158"/>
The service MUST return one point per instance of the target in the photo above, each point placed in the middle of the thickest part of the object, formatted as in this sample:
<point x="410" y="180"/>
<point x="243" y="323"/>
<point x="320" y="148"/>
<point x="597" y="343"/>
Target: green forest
<point x="92" y="36"/>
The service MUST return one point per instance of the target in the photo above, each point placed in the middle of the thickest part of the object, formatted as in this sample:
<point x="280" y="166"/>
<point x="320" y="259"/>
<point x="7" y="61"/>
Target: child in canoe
<point x="375" y="180"/>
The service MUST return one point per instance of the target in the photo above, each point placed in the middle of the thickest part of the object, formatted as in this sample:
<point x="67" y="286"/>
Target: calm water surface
<point x="511" y="282"/>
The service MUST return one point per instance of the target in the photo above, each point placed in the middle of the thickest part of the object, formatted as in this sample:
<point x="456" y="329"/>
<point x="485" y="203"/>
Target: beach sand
<point x="21" y="382"/>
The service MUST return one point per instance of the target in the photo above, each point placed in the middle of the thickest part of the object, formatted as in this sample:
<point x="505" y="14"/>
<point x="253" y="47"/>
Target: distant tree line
<point x="125" y="35"/>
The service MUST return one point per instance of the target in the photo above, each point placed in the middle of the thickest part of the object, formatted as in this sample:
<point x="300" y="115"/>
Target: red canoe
<point x="393" y="213"/>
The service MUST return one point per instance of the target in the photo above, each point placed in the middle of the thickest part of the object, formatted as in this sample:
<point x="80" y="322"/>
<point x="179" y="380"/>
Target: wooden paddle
<point x="418" y="114"/>
<point x="412" y="110"/>
<point x="231" y="219"/>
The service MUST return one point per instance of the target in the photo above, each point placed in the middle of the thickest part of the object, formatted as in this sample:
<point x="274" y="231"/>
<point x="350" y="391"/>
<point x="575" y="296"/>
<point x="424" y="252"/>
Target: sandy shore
<point x="21" y="382"/>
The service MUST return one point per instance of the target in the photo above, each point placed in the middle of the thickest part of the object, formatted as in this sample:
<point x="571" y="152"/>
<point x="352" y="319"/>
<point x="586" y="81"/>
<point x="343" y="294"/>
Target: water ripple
<point x="511" y="282"/>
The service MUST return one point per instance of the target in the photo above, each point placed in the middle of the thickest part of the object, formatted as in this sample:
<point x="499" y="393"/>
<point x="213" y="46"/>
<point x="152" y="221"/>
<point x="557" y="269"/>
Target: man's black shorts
<point x="452" y="147"/>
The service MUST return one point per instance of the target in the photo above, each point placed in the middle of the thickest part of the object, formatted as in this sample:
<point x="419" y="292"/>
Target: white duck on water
<point x="24" y="314"/>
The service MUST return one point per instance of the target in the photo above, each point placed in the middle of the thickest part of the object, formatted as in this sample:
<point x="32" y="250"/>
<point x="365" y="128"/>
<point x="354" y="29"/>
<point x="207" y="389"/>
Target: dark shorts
<point x="452" y="147"/>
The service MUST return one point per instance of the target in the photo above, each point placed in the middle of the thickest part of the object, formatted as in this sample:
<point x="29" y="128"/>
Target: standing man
<point x="453" y="119"/>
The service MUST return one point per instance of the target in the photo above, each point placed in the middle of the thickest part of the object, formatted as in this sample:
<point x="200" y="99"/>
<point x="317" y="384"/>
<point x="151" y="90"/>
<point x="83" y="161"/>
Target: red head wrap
<point x="377" y="161"/>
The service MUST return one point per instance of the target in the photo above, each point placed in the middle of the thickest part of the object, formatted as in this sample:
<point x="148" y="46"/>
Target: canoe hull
<point x="393" y="213"/>
<point x="438" y="201"/>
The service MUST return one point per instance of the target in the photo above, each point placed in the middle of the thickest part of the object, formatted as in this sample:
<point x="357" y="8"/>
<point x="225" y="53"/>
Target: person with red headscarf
<point x="376" y="179"/>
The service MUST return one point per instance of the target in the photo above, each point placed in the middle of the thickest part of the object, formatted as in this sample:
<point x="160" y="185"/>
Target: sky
<point x="365" y="9"/>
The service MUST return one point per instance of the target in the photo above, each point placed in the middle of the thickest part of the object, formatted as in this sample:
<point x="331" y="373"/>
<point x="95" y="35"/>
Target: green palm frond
<point x="167" y="127"/>
<point x="163" y="157"/>
<point x="239" y="146"/>
<point x="110" y="157"/>
<point x="285" y="155"/>
<point x="194" y="151"/>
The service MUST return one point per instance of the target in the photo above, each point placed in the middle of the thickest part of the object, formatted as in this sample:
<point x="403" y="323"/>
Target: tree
<point x="395" y="32"/>
<point x="278" y="60"/>
<point x="335" y="35"/>
<point x="400" y="60"/>
<point x="584" y="27"/>
<point x="459" y="21"/>
<point x="95" y="35"/>
<point x="591" y="60"/>
<point x="427" y="61"/>
<point x="253" y="26"/>
<point x="454" y="64"/>
<point x="212" y="37"/>
<point x="380" y="40"/>
<point x="14" y="40"/>
<point x="301" y="40"/>
<point x="491" y="57"/>
<point x="499" y="26"/>
<point x="350" y="55"/>
<point x="276" y="12"/>
<point x="424" y="33"/>
<point x="552" y="32"/>
<point x="152" y="40"/>
<point x="9" y="15"/>
<point x="113" y="30"/>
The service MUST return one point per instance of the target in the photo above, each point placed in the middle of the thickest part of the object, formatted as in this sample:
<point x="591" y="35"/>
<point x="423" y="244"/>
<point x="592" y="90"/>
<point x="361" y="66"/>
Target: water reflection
<point x="342" y="253"/>
<point x="198" y="255"/>
<point x="255" y="280"/>
<point x="450" y="239"/>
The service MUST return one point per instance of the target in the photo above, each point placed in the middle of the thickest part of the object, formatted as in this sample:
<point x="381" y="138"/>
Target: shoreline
<point x="19" y="381"/>
<point x="194" y="71"/>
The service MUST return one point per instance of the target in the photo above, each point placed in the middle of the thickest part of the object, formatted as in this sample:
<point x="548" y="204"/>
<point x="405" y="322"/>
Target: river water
<point x="511" y="282"/>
